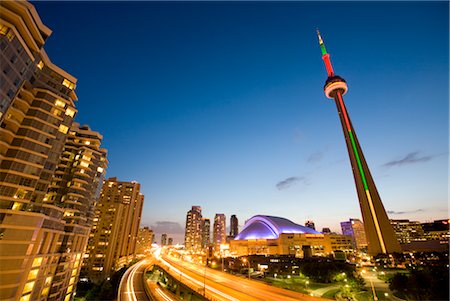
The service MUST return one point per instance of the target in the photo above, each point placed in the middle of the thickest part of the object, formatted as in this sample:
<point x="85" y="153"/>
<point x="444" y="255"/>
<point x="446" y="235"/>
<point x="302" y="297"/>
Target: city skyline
<point x="232" y="116"/>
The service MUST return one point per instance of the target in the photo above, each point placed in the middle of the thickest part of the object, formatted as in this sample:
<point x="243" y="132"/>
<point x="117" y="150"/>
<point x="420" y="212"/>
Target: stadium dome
<point x="270" y="227"/>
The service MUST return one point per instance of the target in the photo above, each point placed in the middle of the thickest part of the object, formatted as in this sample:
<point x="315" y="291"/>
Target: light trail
<point x="163" y="295"/>
<point x="199" y="283"/>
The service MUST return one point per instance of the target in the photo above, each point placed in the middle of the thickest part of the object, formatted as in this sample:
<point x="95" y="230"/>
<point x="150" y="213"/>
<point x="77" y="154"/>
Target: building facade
<point x="219" y="231"/>
<point x="112" y="242"/>
<point x="355" y="228"/>
<point x="206" y="232"/>
<point x="164" y="239"/>
<point x="144" y="240"/>
<point x="407" y="231"/>
<point x="193" y="232"/>
<point x="39" y="247"/>
<point x="234" y="226"/>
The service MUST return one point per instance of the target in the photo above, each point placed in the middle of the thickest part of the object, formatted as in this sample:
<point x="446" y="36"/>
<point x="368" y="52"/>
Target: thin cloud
<point x="404" y="212"/>
<point x="285" y="184"/>
<point x="409" y="159"/>
<point x="315" y="157"/>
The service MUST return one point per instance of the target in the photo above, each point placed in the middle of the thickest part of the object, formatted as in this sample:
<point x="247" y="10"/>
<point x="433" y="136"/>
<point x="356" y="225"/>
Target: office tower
<point x="379" y="232"/>
<point x="193" y="232"/>
<point x="355" y="228"/>
<point x="437" y="230"/>
<point x="112" y="242"/>
<point x="36" y="112"/>
<point x="310" y="224"/>
<point x="164" y="239"/>
<point x="407" y="231"/>
<point x="206" y="232"/>
<point x="144" y="240"/>
<point x="170" y="241"/>
<point x="219" y="230"/>
<point x="234" y="226"/>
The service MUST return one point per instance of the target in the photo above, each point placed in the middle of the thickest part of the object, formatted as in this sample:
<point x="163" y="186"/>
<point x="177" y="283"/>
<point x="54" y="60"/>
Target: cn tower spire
<point x="379" y="232"/>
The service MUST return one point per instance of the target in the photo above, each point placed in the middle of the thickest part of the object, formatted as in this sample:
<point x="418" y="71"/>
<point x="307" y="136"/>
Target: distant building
<point x="170" y="241"/>
<point x="144" y="240"/>
<point x="407" y="231"/>
<point x="219" y="231"/>
<point x="193" y="232"/>
<point x="326" y="230"/>
<point x="437" y="230"/>
<point x="164" y="239"/>
<point x="355" y="228"/>
<point x="310" y="224"/>
<point x="271" y="235"/>
<point x="234" y="226"/>
<point x="112" y="242"/>
<point x="206" y="232"/>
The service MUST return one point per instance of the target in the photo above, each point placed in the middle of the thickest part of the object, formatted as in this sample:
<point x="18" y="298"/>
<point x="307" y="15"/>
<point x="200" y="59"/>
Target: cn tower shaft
<point x="379" y="232"/>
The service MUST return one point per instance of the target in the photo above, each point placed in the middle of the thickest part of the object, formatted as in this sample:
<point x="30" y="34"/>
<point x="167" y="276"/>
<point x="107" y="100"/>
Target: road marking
<point x="162" y="294"/>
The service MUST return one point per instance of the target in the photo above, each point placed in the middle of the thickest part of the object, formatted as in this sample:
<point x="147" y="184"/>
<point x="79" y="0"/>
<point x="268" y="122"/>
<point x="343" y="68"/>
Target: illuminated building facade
<point x="219" y="231"/>
<point x="206" y="232"/>
<point x="379" y="232"/>
<point x="355" y="228"/>
<point x="112" y="242"/>
<point x="271" y="235"/>
<point x="144" y="240"/>
<point x="407" y="231"/>
<point x="193" y="231"/>
<point x="37" y="107"/>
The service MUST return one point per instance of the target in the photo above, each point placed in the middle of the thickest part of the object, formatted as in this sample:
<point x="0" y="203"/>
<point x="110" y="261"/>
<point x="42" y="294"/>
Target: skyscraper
<point x="193" y="232"/>
<point x="379" y="232"/>
<point x="206" y="232"/>
<point x="164" y="239"/>
<point x="234" y="226"/>
<point x="37" y="107"/>
<point x="144" y="240"/>
<point x="219" y="231"/>
<point x="355" y="228"/>
<point x="112" y="242"/>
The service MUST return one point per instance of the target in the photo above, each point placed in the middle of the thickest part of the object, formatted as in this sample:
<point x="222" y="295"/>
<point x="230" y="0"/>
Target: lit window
<point x="70" y="112"/>
<point x="84" y="164"/>
<point x="37" y="262"/>
<point x="69" y="289"/>
<point x="17" y="206"/>
<point x="60" y="103"/>
<point x="3" y="29"/>
<point x="63" y="128"/>
<point x="28" y="287"/>
<point x="45" y="291"/>
<point x="68" y="84"/>
<point x="33" y="274"/>
<point x="99" y="169"/>
<point x="87" y="142"/>
<point x="67" y="298"/>
<point x="40" y="65"/>
<point x="74" y="272"/>
<point x="10" y="35"/>
<point x="25" y="298"/>
<point x="72" y="280"/>
<point x="48" y="280"/>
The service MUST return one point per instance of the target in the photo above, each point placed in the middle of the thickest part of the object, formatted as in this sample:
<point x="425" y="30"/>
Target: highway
<point x="216" y="285"/>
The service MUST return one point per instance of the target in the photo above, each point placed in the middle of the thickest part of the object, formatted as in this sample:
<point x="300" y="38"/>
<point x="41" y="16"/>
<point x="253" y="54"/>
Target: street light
<point x="248" y="264"/>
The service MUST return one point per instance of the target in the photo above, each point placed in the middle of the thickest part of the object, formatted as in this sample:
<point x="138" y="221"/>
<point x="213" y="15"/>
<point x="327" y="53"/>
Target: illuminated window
<point x="17" y="206"/>
<point x="3" y="29"/>
<point x="84" y="164"/>
<point x="37" y="262"/>
<point x="60" y="103"/>
<point x="69" y="289"/>
<point x="45" y="291"/>
<point x="68" y="84"/>
<point x="33" y="274"/>
<point x="48" y="280"/>
<point x="72" y="280"/>
<point x="87" y="142"/>
<point x="28" y="287"/>
<point x="10" y="35"/>
<point x="99" y="169"/>
<point x="74" y="272"/>
<point x="78" y="256"/>
<point x="40" y="65"/>
<point x="63" y="128"/>
<point x="70" y="112"/>
<point x="67" y="298"/>
<point x="25" y="298"/>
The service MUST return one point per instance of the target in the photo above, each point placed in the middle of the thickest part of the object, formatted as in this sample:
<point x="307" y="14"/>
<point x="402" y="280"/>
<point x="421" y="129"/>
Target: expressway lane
<point x="132" y="284"/>
<point x="226" y="287"/>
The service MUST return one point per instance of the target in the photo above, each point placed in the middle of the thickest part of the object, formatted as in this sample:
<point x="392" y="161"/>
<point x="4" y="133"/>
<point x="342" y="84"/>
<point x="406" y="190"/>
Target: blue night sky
<point x="221" y="104"/>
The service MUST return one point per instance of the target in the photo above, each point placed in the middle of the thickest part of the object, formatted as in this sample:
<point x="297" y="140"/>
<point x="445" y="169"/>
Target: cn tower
<point x="379" y="232"/>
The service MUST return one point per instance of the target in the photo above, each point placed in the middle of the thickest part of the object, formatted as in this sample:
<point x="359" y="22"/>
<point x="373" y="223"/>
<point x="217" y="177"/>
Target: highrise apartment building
<point x="164" y="239"/>
<point x="206" y="232"/>
<point x="234" y="226"/>
<point x="112" y="242"/>
<point x="355" y="228"/>
<point x="144" y="240"/>
<point x="193" y="232"/>
<point x="37" y="107"/>
<point x="219" y="230"/>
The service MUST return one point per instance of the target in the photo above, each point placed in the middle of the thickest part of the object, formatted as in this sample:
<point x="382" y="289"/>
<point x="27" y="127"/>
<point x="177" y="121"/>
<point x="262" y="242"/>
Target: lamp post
<point x="248" y="264"/>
